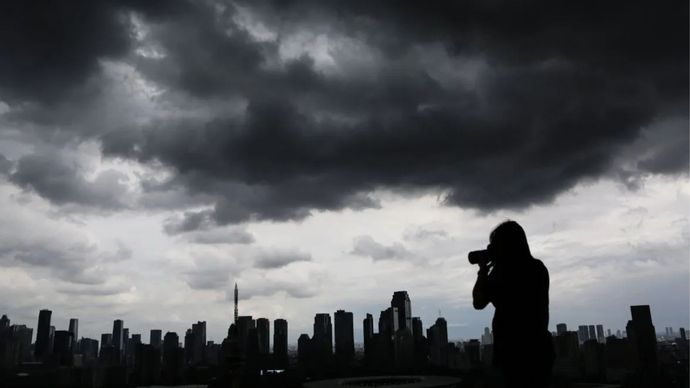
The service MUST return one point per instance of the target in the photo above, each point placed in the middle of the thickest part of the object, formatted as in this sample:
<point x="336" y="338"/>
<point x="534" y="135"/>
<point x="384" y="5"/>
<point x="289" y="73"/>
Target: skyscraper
<point x="155" y="338"/>
<point x="487" y="337"/>
<point x="344" y="335"/>
<point x="236" y="300"/>
<point x="4" y="323"/>
<point x="245" y="323"/>
<point x="388" y="322"/>
<point x="417" y="328"/>
<point x="125" y="342"/>
<point x="561" y="328"/>
<point x="89" y="349"/>
<point x="438" y="342"/>
<point x="582" y="333"/>
<point x="198" y="342"/>
<point x="106" y="340"/>
<point x="43" y="334"/>
<point x="118" y="334"/>
<point x="368" y="334"/>
<point x="401" y="301"/>
<point x="592" y="332"/>
<point x="642" y="337"/>
<point x="74" y="329"/>
<point x="63" y="346"/>
<point x="600" y="334"/>
<point x="322" y="340"/>
<point x="280" y="342"/>
<point x="263" y="331"/>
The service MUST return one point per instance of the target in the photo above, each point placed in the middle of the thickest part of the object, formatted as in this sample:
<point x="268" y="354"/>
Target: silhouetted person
<point x="517" y="285"/>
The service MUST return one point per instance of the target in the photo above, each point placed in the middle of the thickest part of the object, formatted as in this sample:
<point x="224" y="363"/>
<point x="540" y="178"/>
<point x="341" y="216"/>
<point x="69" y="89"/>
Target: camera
<point x="479" y="257"/>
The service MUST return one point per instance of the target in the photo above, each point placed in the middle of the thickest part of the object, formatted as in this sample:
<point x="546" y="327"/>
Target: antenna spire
<point x="236" y="299"/>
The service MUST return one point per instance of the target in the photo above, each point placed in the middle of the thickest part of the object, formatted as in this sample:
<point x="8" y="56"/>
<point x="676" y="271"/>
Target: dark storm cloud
<point x="563" y="90"/>
<point x="48" y="48"/>
<point x="60" y="180"/>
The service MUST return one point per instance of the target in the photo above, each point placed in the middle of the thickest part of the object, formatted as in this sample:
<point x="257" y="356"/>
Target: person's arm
<point x="480" y="292"/>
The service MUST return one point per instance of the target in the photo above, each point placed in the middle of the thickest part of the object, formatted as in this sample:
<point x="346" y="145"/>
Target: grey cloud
<point x="222" y="236"/>
<point x="198" y="227"/>
<point x="60" y="180"/>
<point x="99" y="290"/>
<point x="189" y="221"/>
<point x="5" y="165"/>
<point x="207" y="279"/>
<point x="279" y="258"/>
<point x="74" y="264"/>
<point x="50" y="48"/>
<point x="422" y="234"/>
<point x="558" y="98"/>
<point x="298" y="290"/>
<point x="366" y="246"/>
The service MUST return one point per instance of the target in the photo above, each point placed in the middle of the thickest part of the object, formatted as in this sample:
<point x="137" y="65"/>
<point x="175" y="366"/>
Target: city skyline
<point x="320" y="154"/>
<point x="595" y="331"/>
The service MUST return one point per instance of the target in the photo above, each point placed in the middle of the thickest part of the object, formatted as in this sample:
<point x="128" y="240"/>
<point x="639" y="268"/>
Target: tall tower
<point x="402" y="301"/>
<point x="236" y="297"/>
<point x="43" y="334"/>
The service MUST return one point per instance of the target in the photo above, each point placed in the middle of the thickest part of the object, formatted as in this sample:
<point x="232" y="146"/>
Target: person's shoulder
<point x="539" y="265"/>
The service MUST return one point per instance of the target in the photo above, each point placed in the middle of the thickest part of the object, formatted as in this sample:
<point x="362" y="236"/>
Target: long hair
<point x="512" y="238"/>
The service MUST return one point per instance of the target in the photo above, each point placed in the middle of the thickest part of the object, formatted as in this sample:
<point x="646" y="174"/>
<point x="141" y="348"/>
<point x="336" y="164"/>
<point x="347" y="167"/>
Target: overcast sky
<point x="324" y="154"/>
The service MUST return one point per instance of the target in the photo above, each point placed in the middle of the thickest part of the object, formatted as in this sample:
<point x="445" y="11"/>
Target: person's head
<point x="508" y="243"/>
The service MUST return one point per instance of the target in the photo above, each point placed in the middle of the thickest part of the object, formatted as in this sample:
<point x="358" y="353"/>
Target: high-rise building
<point x="487" y="337"/>
<point x="417" y="328"/>
<point x="683" y="334"/>
<point x="561" y="328"/>
<point x="368" y="334"/>
<point x="388" y="322"/>
<point x="118" y="335"/>
<point x="171" y="340"/>
<point x="263" y="332"/>
<point x="438" y="342"/>
<point x="322" y="340"/>
<point x="280" y="342"/>
<point x="74" y="329"/>
<point x="89" y="349"/>
<point x="198" y="342"/>
<point x="188" y="346"/>
<point x="17" y="344"/>
<point x="106" y="339"/>
<point x="401" y="301"/>
<point x="43" y="334"/>
<point x="582" y="333"/>
<point x="600" y="334"/>
<point x="642" y="337"/>
<point x="51" y="340"/>
<point x="173" y="358"/>
<point x="344" y="335"/>
<point x="4" y="323"/>
<point x="304" y="349"/>
<point x="62" y="346"/>
<point x="592" y="332"/>
<point x="155" y="338"/>
<point x="245" y="323"/>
